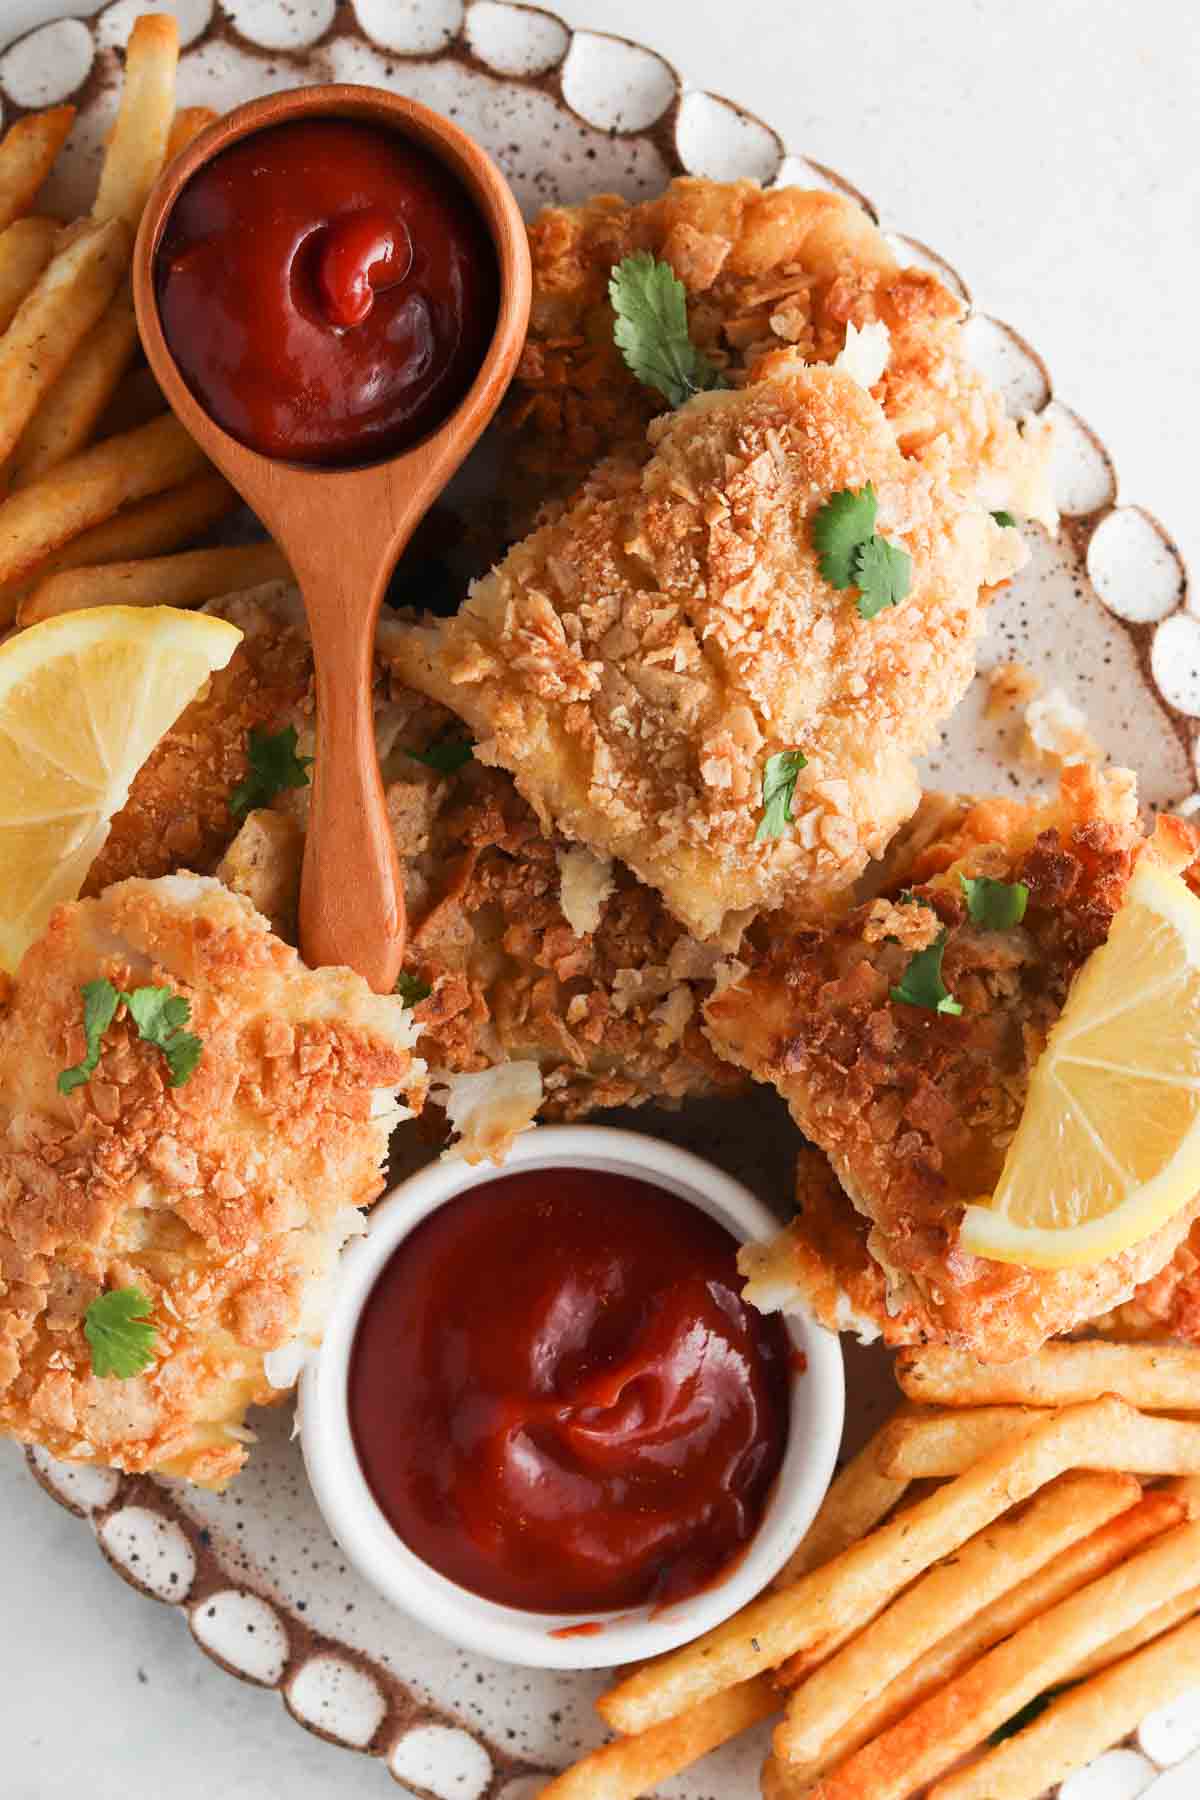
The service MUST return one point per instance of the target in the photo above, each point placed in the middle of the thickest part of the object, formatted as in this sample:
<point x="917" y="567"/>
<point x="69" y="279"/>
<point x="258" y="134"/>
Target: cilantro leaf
<point x="1004" y="518"/>
<point x="995" y="904"/>
<point x="651" y="329"/>
<point x="446" y="756"/>
<point x="100" y="1002"/>
<point x="778" y="786"/>
<point x="117" y="1326"/>
<point x="882" y="575"/>
<point x="922" y="983"/>
<point x="841" y="527"/>
<point x="411" y="989"/>
<point x="274" y="766"/>
<point x="159" y="1016"/>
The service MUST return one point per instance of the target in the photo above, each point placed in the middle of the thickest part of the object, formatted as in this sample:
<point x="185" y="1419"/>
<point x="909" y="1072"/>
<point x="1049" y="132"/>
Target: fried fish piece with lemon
<point x="84" y="699"/>
<point x="1108" y="1148"/>
<point x="1031" y="1035"/>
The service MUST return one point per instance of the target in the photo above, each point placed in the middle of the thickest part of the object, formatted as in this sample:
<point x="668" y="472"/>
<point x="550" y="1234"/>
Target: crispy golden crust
<point x="636" y="662"/>
<point x="610" y="1015"/>
<point x="821" y="1260"/>
<point x="177" y="814"/>
<point x="224" y="1199"/>
<point x="1166" y="1306"/>
<point x="763" y="271"/>
<point x="915" y="1110"/>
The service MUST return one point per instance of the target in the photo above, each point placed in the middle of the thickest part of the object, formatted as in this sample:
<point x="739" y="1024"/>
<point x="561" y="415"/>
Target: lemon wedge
<point x="1108" y="1147"/>
<point x="84" y="698"/>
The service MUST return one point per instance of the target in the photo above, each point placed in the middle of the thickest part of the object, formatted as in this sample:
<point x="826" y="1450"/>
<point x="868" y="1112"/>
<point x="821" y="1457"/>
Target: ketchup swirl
<point x="560" y="1400"/>
<point x="328" y="290"/>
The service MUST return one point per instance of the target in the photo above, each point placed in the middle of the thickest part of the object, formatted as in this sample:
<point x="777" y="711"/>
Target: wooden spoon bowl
<point x="342" y="529"/>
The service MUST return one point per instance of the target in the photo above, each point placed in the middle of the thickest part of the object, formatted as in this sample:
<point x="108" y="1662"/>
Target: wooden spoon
<point x="342" y="529"/>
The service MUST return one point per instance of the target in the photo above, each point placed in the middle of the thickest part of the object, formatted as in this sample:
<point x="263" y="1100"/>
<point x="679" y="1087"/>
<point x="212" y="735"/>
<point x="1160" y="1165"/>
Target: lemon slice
<point x="1108" y="1147"/>
<point x="84" y="698"/>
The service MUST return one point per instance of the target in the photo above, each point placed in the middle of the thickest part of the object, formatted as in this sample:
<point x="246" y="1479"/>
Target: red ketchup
<point x="328" y="290"/>
<point x="560" y="1400"/>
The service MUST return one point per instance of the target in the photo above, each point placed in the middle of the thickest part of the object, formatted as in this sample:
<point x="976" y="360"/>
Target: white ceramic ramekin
<point x="505" y="1632"/>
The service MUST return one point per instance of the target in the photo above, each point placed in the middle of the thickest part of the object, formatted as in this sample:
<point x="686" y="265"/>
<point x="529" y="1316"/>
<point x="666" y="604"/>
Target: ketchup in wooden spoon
<point x="332" y="287"/>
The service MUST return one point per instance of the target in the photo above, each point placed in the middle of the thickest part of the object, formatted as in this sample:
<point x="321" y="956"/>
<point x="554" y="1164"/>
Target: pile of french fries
<point x="1024" y="1536"/>
<point x="99" y="483"/>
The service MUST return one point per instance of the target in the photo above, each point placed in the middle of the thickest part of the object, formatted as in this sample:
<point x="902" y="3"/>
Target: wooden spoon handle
<point x="351" y="891"/>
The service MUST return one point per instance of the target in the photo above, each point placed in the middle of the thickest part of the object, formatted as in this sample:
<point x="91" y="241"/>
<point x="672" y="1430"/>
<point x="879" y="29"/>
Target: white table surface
<point x="1050" y="151"/>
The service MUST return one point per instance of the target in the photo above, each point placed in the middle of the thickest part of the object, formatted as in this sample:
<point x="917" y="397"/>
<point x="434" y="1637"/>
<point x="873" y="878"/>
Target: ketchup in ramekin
<point x="559" y="1399"/>
<point x="328" y="290"/>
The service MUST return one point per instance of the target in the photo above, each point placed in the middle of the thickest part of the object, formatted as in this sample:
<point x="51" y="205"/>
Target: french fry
<point x="1163" y="1618"/>
<point x="187" y="579"/>
<point x="138" y="145"/>
<point x="946" y="1445"/>
<point x="27" y="155"/>
<point x="1080" y="1724"/>
<point x="138" y="400"/>
<point x="91" y="487"/>
<point x="1091" y="1557"/>
<point x="1154" y="1377"/>
<point x="926" y="1744"/>
<point x="859" y="1498"/>
<point x="945" y="1597"/>
<point x="849" y="1591"/>
<point x="25" y="248"/>
<point x="66" y="419"/>
<point x="147" y="528"/>
<point x="51" y="322"/>
<point x="187" y="124"/>
<point x="930" y="1440"/>
<point x="629" y="1766"/>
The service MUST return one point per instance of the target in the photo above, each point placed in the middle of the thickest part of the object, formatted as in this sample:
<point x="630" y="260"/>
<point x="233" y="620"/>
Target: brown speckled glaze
<point x="1104" y="612"/>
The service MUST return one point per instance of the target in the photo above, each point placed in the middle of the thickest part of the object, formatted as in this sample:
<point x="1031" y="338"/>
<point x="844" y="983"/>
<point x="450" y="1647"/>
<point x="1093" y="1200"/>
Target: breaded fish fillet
<point x="224" y="1200"/>
<point x="763" y="271"/>
<point x="636" y="663"/>
<point x="914" y="1109"/>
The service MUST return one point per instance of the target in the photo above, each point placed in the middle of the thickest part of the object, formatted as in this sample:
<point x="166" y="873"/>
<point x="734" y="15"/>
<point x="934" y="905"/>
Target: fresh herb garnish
<point x="1032" y="1709"/>
<point x="651" y="329"/>
<point x="411" y="989"/>
<point x="447" y="755"/>
<point x="851" y="554"/>
<point x="882" y="575"/>
<point x="1004" y="518"/>
<point x="922" y="983"/>
<point x="100" y="1002"/>
<point x="778" y="787"/>
<point x="117" y="1326"/>
<point x="995" y="904"/>
<point x="274" y="766"/>
<point x="159" y="1016"/>
<point x="840" y="528"/>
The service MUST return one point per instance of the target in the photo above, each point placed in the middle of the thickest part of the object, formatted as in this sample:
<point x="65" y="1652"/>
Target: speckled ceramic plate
<point x="1103" y="613"/>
